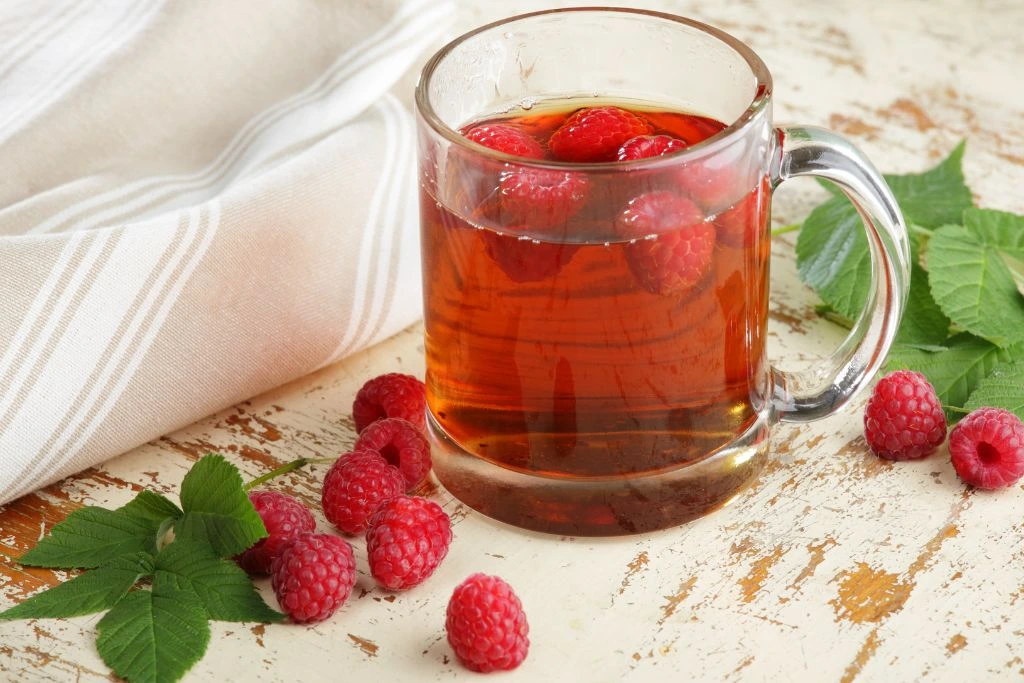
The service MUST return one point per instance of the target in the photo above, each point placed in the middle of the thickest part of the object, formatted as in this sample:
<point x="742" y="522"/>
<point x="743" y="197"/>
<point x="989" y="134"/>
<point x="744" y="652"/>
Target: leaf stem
<point x="285" y="469"/>
<point x="955" y="409"/>
<point x="792" y="227"/>
<point x="920" y="231"/>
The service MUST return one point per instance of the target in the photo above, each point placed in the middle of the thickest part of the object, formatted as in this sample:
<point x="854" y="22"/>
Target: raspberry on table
<point x="486" y="625"/>
<point x="390" y="395"/>
<point x="401" y="444"/>
<point x="903" y="419"/>
<point x="285" y="519"/>
<point x="647" y="146"/>
<point x="503" y="137"/>
<point x="407" y="540"/>
<point x="313" y="576"/>
<point x="679" y="255"/>
<point x="596" y="134"/>
<point x="987" y="448"/>
<point x="355" y="486"/>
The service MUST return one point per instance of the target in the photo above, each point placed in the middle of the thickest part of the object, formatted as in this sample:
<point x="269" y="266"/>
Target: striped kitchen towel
<point x="199" y="201"/>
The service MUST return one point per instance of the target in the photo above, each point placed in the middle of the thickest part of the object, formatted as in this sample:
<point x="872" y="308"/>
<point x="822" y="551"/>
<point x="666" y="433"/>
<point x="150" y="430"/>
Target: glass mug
<point x="583" y="379"/>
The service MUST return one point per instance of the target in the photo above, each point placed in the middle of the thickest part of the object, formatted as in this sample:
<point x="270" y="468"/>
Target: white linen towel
<point x="199" y="201"/>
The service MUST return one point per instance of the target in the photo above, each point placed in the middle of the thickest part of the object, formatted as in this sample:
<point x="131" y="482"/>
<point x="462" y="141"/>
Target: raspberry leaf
<point x="957" y="370"/>
<point x="923" y="322"/>
<point x="217" y="510"/>
<point x="154" y="636"/>
<point x="95" y="590"/>
<point x="999" y="229"/>
<point x="831" y="249"/>
<point x="973" y="285"/>
<point x="936" y="197"/>
<point x="227" y="592"/>
<point x="91" y="536"/>
<point x="151" y="506"/>
<point x="832" y="256"/>
<point x="1004" y="388"/>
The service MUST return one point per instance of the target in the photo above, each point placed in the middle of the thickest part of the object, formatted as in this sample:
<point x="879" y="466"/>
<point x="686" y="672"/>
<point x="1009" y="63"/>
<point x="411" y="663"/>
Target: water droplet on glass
<point x="507" y="35"/>
<point x="527" y="103"/>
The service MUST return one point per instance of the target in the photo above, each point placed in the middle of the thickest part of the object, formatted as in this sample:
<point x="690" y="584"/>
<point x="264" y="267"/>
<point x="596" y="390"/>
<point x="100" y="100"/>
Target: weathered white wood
<point x="835" y="566"/>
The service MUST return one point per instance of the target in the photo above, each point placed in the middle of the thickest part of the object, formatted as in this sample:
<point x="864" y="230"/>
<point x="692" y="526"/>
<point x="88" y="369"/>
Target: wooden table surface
<point x="834" y="566"/>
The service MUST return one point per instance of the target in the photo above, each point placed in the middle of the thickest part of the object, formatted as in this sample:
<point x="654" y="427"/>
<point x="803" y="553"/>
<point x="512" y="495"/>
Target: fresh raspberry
<point x="407" y="539"/>
<point x="390" y="395"/>
<point x="313" y="577"/>
<point x="647" y="146"/>
<point x="401" y="444"/>
<point x="486" y="625"/>
<point x="596" y="134"/>
<point x="355" y="486"/>
<point x="903" y="419"/>
<point x="987" y="448"/>
<point x="285" y="518"/>
<point x="503" y="137"/>
<point x="679" y="255"/>
<point x="526" y="260"/>
<point x="540" y="198"/>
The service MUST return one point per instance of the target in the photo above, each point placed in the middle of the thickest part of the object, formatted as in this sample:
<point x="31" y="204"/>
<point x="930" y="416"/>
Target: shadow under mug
<point x="569" y="389"/>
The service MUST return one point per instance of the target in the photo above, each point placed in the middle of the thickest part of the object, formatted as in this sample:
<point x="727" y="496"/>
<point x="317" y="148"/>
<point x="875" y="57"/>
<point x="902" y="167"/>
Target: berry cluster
<point x="669" y="233"/>
<point x="367" y="491"/>
<point x="904" y="420"/>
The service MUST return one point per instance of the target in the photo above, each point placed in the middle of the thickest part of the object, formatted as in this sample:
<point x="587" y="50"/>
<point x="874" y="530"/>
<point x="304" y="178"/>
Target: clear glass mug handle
<point x="820" y="391"/>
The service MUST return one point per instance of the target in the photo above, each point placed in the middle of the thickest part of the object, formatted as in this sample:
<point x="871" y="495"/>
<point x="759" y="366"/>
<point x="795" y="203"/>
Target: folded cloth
<point x="199" y="201"/>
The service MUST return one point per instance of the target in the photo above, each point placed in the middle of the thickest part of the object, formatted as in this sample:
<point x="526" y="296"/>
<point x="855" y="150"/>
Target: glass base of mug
<point x="600" y="506"/>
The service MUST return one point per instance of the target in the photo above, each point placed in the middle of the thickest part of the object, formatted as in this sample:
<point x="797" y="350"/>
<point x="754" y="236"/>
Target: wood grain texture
<point x="833" y="566"/>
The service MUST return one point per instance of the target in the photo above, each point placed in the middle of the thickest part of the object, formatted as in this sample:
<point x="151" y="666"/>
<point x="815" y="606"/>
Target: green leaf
<point x="90" y="592"/>
<point x="151" y="506"/>
<point x="936" y="197"/>
<point x="154" y="636"/>
<point x="217" y="509"/>
<point x="973" y="286"/>
<point x="832" y="255"/>
<point x="1003" y="232"/>
<point x="999" y="229"/>
<point x="225" y="590"/>
<point x="1004" y="388"/>
<point x="91" y="536"/>
<point x="955" y="372"/>
<point x="923" y="322"/>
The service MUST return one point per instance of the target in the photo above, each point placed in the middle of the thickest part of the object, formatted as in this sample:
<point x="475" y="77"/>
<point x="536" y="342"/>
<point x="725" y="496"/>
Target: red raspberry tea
<point x="590" y="325"/>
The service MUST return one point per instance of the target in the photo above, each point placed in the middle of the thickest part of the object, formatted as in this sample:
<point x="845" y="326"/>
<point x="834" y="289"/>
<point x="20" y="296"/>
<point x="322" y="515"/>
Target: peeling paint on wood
<point x="955" y="644"/>
<point x="868" y="595"/>
<point x="364" y="644"/>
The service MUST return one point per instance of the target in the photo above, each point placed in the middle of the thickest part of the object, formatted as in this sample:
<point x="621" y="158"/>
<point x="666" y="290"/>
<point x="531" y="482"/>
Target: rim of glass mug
<point x="762" y="95"/>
